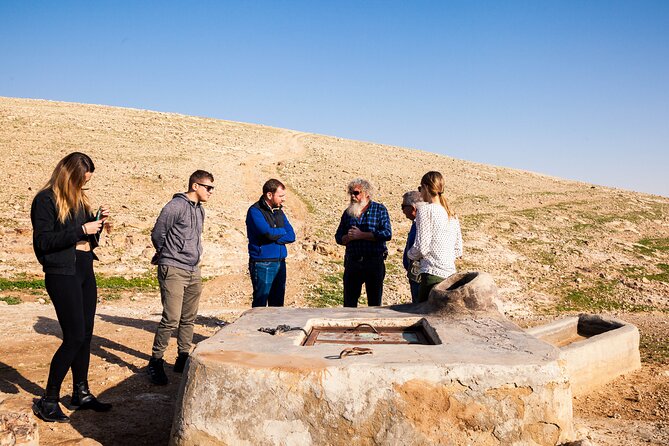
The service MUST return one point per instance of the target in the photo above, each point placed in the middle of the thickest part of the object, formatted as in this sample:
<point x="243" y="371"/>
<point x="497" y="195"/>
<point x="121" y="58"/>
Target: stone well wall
<point x="484" y="382"/>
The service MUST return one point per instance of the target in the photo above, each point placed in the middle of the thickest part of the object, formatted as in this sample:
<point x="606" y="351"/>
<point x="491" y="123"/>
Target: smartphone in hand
<point x="98" y="216"/>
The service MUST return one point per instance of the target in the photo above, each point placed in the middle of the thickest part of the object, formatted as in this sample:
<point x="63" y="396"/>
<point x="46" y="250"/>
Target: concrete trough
<point x="477" y="379"/>
<point x="596" y="349"/>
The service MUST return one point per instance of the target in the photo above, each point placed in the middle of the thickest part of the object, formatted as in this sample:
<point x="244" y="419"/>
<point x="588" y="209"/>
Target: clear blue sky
<point x="575" y="89"/>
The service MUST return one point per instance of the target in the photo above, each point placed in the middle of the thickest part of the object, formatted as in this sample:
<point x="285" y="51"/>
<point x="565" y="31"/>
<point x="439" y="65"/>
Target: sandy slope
<point x="553" y="246"/>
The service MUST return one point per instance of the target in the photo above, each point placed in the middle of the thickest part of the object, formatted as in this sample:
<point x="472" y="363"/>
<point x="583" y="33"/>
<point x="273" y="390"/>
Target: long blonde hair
<point x="434" y="183"/>
<point x="67" y="182"/>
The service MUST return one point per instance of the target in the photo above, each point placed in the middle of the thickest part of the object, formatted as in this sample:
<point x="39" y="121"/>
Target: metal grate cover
<point x="366" y="334"/>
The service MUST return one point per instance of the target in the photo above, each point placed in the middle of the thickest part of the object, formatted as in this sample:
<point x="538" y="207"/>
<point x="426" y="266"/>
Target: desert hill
<point x="553" y="246"/>
<point x="548" y="242"/>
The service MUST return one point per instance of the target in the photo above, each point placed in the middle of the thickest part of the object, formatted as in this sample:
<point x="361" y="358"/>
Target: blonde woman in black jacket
<point x="65" y="232"/>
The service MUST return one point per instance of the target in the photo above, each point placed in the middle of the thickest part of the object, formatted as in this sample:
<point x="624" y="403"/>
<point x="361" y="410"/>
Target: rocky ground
<point x="555" y="248"/>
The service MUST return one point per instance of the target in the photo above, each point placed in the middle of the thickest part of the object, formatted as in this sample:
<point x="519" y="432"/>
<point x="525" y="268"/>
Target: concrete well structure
<point x="452" y="371"/>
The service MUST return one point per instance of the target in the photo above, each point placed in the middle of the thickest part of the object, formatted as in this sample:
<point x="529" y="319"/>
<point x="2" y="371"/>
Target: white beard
<point x="355" y="209"/>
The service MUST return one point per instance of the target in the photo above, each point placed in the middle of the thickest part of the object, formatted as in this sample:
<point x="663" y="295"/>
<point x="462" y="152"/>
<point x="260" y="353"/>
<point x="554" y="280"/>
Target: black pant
<point x="368" y="270"/>
<point x="74" y="298"/>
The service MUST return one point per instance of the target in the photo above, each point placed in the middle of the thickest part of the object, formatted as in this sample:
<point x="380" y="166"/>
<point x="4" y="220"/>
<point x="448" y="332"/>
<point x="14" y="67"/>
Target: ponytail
<point x="434" y="183"/>
<point x="444" y="203"/>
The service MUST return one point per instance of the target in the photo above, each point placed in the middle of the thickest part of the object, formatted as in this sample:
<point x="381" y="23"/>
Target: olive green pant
<point x="180" y="294"/>
<point x="427" y="282"/>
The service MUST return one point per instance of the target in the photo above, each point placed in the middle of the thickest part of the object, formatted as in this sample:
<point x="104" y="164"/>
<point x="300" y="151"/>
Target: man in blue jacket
<point x="268" y="231"/>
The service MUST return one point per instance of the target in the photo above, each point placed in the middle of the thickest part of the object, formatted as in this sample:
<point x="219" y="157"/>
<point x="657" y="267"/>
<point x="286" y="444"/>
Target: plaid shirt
<point x="375" y="220"/>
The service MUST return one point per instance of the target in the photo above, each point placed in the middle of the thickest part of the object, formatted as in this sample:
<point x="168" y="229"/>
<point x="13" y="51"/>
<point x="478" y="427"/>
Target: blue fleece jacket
<point x="268" y="231"/>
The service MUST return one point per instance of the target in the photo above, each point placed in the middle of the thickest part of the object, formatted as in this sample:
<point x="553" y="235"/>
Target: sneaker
<point x="180" y="363"/>
<point x="156" y="371"/>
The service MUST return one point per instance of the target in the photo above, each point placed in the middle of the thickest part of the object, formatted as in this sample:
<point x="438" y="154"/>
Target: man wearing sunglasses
<point x="177" y="237"/>
<point x="364" y="229"/>
<point x="268" y="231"/>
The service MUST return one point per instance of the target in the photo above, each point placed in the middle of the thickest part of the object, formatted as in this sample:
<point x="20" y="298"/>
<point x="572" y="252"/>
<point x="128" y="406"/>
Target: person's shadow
<point x="104" y="347"/>
<point x="150" y="326"/>
<point x="100" y="346"/>
<point x="11" y="381"/>
<point x="142" y="412"/>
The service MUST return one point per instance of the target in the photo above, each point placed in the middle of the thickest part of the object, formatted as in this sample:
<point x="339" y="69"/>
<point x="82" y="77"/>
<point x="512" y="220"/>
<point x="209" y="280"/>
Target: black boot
<point x="180" y="363"/>
<point x="82" y="398"/>
<point x="156" y="371"/>
<point x="48" y="409"/>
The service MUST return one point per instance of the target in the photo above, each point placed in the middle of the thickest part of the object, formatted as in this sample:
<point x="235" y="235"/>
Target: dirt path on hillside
<point x="255" y="171"/>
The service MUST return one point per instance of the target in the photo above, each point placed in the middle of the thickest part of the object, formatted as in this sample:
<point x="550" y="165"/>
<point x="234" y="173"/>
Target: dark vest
<point x="275" y="219"/>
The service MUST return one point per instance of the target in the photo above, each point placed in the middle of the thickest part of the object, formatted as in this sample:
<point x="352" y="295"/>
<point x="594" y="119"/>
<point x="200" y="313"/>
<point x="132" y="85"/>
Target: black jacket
<point x="54" y="242"/>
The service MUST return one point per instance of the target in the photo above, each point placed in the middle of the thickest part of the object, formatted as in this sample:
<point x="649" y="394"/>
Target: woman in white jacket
<point x="438" y="237"/>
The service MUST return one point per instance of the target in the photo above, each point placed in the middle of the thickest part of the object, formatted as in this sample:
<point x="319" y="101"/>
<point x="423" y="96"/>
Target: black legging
<point x="74" y="298"/>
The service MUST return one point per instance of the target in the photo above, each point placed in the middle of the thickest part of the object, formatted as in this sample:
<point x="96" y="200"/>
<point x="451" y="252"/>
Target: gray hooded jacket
<point x="177" y="234"/>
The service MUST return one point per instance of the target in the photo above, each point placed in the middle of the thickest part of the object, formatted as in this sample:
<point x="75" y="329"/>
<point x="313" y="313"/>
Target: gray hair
<point x="412" y="198"/>
<point x="365" y="185"/>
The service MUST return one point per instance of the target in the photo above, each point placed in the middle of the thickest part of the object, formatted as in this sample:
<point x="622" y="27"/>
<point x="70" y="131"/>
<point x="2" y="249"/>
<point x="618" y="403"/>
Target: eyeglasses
<point x="209" y="187"/>
<point x="354" y="192"/>
<point x="407" y="206"/>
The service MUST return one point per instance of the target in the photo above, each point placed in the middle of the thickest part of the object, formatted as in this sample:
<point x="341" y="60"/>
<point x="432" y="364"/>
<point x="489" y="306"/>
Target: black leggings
<point x="74" y="298"/>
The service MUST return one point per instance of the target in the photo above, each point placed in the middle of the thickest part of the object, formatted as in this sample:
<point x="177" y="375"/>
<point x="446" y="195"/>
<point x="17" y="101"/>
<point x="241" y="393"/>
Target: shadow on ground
<point x="11" y="381"/>
<point x="142" y="412"/>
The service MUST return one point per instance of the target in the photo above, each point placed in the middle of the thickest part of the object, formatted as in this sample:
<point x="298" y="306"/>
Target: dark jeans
<point x="427" y="282"/>
<point x="74" y="298"/>
<point x="414" y="287"/>
<point x="269" y="283"/>
<point x="368" y="270"/>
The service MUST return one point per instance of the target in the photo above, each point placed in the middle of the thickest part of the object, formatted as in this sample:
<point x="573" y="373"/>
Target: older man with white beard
<point x="364" y="229"/>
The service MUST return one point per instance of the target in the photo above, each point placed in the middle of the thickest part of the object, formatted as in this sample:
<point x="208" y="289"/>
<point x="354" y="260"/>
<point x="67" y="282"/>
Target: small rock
<point x="152" y="397"/>
<point x="41" y="301"/>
